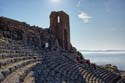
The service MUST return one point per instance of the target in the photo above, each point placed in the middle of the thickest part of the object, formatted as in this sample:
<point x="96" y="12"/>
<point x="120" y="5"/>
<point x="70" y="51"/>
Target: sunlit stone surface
<point x="31" y="54"/>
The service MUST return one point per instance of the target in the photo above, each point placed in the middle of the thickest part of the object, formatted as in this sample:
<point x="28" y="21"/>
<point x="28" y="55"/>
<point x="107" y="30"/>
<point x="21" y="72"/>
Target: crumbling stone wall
<point x="36" y="36"/>
<point x="30" y="35"/>
<point x="8" y="30"/>
<point x="59" y="26"/>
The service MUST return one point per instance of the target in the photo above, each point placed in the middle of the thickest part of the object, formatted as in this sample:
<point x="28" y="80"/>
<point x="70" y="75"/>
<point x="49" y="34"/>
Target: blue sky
<point x="94" y="24"/>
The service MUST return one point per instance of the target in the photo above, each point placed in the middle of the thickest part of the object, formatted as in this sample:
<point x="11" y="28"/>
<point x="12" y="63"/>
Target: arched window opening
<point x="58" y="19"/>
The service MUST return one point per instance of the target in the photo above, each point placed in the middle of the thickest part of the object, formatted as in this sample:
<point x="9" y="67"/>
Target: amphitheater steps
<point x="8" y="69"/>
<point x="121" y="80"/>
<point x="60" y="68"/>
<point x="7" y="61"/>
<point x="22" y="64"/>
<point x="19" y="75"/>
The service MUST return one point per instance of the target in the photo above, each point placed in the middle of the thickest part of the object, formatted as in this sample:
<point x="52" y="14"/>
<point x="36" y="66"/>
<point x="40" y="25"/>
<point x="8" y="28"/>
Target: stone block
<point x="5" y="72"/>
<point x="1" y="76"/>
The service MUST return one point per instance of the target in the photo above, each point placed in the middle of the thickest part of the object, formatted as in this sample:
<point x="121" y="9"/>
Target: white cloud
<point x="78" y="4"/>
<point x="84" y="16"/>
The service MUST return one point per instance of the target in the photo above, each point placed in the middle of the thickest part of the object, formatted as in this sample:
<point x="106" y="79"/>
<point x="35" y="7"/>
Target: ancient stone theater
<point x="32" y="54"/>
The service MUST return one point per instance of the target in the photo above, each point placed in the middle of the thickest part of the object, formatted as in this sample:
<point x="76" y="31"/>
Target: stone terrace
<point x="20" y="63"/>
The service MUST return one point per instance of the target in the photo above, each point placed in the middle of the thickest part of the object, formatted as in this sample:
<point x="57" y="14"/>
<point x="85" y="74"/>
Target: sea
<point x="103" y="58"/>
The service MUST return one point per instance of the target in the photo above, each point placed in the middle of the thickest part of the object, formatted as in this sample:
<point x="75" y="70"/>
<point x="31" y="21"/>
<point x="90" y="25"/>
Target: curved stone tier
<point x="26" y="65"/>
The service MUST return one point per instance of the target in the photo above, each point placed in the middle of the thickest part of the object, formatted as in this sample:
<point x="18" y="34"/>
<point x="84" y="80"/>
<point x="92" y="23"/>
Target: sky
<point x="94" y="24"/>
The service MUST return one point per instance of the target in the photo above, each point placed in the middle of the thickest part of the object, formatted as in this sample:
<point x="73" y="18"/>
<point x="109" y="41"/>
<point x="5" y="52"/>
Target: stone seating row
<point x="104" y="75"/>
<point x="66" y="68"/>
<point x="12" y="67"/>
<point x="19" y="75"/>
<point x="5" y="50"/>
<point x="63" y="68"/>
<point x="12" y="55"/>
<point x="49" y="59"/>
<point x="108" y="75"/>
<point x="7" y="61"/>
<point x="101" y="75"/>
<point x="74" y="74"/>
<point x="58" y="69"/>
<point x="86" y="63"/>
<point x="121" y="80"/>
<point x="84" y="73"/>
<point x="12" y="47"/>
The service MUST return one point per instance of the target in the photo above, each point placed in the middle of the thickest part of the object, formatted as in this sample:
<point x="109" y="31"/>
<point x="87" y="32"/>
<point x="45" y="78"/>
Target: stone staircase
<point x="16" y="62"/>
<point x="20" y="63"/>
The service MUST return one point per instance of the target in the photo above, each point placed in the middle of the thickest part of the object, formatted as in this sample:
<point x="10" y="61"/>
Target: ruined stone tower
<point x="59" y="26"/>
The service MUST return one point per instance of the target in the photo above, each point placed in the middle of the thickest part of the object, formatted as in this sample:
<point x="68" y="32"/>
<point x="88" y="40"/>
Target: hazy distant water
<point x="117" y="59"/>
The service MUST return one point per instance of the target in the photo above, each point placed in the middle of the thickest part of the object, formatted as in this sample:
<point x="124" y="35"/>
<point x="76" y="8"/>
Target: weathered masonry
<point x="31" y="54"/>
<point x="59" y="26"/>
